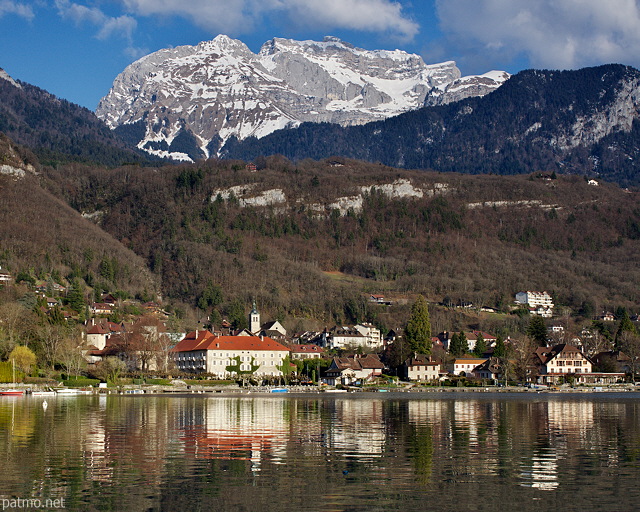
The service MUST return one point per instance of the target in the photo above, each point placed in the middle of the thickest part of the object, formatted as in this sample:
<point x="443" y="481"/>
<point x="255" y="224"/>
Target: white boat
<point x="39" y="392"/>
<point x="73" y="391"/>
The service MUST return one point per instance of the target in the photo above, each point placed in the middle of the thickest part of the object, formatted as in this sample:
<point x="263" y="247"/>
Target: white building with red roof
<point x="204" y="352"/>
<point x="308" y="351"/>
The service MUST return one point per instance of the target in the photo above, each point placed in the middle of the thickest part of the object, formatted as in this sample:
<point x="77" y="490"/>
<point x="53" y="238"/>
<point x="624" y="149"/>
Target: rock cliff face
<point x="186" y="102"/>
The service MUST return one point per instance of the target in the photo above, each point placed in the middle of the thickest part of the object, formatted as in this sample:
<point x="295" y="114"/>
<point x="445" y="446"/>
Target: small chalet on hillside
<point x="204" y="352"/>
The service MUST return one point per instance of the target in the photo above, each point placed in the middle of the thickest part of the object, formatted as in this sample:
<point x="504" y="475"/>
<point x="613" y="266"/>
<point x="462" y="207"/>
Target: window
<point x="560" y="363"/>
<point x="577" y="363"/>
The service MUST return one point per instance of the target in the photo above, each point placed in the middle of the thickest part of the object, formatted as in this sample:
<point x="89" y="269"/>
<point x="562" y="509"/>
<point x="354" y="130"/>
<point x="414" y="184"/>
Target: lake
<point x="323" y="452"/>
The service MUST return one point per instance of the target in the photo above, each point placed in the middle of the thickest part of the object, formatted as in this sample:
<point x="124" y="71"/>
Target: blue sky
<point x="74" y="49"/>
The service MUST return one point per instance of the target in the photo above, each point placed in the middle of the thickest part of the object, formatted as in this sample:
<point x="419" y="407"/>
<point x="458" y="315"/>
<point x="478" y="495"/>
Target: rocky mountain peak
<point x="5" y="76"/>
<point x="186" y="102"/>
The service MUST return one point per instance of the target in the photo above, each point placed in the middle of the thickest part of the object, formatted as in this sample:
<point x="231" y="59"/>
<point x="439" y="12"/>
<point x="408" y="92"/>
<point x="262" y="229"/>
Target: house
<point x="443" y="338"/>
<point x="539" y="303"/>
<point x="464" y="366"/>
<point x="593" y="183"/>
<point x="372" y="333"/>
<point x="97" y="335"/>
<point x="101" y="308"/>
<point x="379" y="299"/>
<point x="366" y="336"/>
<point x="308" y="351"/>
<point x="420" y="367"/>
<point x="274" y="327"/>
<point x="607" y="316"/>
<point x="472" y="338"/>
<point x="354" y="369"/>
<point x="491" y="369"/>
<point x="561" y="360"/>
<point x="5" y="277"/>
<point x="309" y="337"/>
<point x="107" y="298"/>
<point x="204" y="352"/>
<point x="615" y="360"/>
<point x="51" y="302"/>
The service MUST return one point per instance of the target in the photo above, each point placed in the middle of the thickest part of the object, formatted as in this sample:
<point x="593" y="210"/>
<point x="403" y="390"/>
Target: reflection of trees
<point x="421" y="442"/>
<point x="126" y="453"/>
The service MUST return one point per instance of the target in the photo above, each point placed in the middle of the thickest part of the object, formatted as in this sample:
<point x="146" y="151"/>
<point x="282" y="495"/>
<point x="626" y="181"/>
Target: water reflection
<point x="336" y="453"/>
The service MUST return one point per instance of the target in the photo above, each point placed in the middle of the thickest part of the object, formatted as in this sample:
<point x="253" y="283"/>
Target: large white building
<point x="362" y="335"/>
<point x="204" y="352"/>
<point x="539" y="303"/>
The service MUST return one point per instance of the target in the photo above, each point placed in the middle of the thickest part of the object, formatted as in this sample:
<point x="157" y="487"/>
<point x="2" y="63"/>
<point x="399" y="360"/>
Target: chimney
<point x="196" y="333"/>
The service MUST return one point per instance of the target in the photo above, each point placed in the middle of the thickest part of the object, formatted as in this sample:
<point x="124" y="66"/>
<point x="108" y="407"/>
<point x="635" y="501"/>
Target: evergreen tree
<point x="537" y="330"/>
<point x="76" y="296"/>
<point x="237" y="316"/>
<point x="500" y="350"/>
<point x="464" y="342"/>
<point x="458" y="346"/>
<point x="481" y="346"/>
<point x="625" y="326"/>
<point x="418" y="330"/>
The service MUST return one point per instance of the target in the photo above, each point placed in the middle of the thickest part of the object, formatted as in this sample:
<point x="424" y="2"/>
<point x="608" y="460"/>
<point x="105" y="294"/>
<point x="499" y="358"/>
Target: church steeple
<point x="254" y="320"/>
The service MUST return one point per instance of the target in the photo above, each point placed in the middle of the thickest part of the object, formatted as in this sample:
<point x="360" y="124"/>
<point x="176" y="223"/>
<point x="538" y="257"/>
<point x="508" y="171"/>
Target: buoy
<point x="45" y="405"/>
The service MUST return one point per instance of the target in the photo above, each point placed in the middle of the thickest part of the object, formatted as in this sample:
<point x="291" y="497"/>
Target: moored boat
<point x="11" y="392"/>
<point x="41" y="392"/>
<point x="73" y="391"/>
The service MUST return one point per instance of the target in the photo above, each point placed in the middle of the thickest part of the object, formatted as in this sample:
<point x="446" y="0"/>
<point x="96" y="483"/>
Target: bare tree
<point x="50" y="337"/>
<point x="629" y="343"/>
<point x="70" y="353"/>
<point x="522" y="357"/>
<point x="594" y="342"/>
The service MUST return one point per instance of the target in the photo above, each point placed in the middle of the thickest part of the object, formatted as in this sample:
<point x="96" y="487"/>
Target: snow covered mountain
<point x="186" y="102"/>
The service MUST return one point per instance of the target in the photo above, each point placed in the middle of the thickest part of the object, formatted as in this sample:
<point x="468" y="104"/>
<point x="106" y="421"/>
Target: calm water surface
<point x="431" y="451"/>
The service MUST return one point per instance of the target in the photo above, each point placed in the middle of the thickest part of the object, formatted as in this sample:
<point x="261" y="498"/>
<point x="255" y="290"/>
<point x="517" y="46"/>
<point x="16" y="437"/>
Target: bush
<point x="158" y="382"/>
<point x="81" y="382"/>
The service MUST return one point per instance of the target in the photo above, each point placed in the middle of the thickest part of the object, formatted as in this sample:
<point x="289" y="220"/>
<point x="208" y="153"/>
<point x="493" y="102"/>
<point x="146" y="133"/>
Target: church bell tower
<point x="254" y="320"/>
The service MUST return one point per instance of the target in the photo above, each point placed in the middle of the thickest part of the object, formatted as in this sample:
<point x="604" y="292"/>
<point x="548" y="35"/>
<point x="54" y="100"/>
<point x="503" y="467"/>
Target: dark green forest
<point x="526" y="125"/>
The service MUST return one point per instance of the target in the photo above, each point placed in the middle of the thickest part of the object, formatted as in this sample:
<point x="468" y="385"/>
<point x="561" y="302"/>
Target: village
<point x="348" y="356"/>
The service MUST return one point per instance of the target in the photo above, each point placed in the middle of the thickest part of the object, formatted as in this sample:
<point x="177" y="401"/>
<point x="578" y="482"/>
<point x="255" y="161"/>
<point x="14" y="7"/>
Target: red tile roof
<point x="204" y="340"/>
<point x="306" y="349"/>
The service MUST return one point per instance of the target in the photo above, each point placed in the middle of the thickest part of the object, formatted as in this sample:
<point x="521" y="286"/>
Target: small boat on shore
<point x="42" y="392"/>
<point x="73" y="391"/>
<point x="11" y="392"/>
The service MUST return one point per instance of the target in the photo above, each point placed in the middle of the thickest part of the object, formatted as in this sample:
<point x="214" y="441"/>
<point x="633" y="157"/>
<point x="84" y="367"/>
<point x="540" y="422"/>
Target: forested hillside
<point x="583" y="122"/>
<point x="41" y="237"/>
<point x="310" y="240"/>
<point x="57" y="130"/>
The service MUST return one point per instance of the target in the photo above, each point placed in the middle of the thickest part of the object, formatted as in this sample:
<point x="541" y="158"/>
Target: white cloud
<point x="240" y="16"/>
<point x="107" y="25"/>
<point x="564" y="34"/>
<point x="10" y="7"/>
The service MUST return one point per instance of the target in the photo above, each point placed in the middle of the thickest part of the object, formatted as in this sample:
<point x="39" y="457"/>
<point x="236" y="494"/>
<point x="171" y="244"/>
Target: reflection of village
<point x="433" y="439"/>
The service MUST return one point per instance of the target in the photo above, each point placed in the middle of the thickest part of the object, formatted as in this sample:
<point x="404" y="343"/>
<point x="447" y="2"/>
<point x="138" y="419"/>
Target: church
<point x="249" y="351"/>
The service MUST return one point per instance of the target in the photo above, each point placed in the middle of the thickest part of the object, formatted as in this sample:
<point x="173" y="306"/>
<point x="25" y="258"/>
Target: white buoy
<point x="45" y="405"/>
